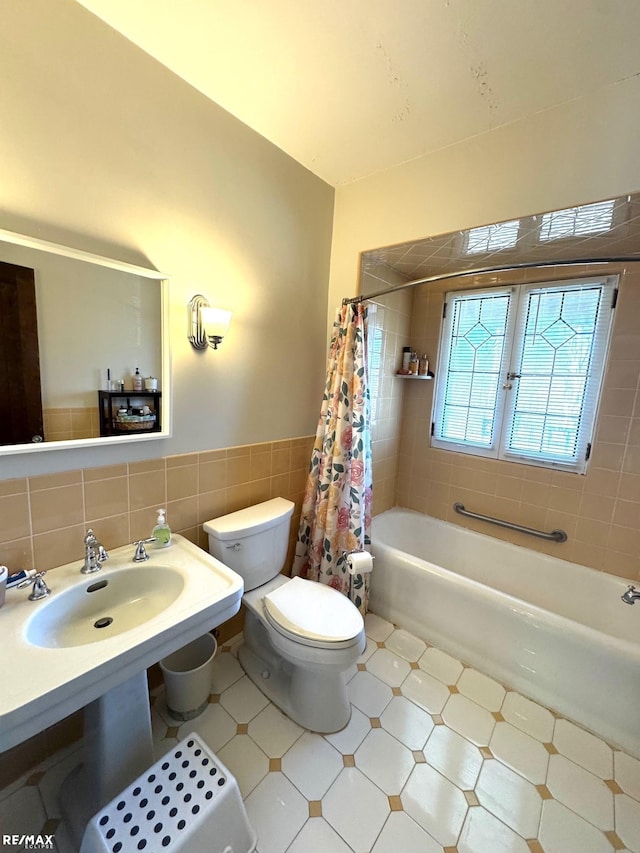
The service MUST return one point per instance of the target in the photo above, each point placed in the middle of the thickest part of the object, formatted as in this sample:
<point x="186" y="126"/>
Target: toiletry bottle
<point x="406" y="358"/>
<point x="423" y="368"/>
<point x="137" y="380"/>
<point x="413" y="364"/>
<point x="161" y="531"/>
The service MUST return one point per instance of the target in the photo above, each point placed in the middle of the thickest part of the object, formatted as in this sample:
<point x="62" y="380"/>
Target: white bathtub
<point x="555" y="631"/>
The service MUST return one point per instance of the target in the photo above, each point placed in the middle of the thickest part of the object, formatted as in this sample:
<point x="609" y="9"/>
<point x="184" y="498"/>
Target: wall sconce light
<point x="207" y="326"/>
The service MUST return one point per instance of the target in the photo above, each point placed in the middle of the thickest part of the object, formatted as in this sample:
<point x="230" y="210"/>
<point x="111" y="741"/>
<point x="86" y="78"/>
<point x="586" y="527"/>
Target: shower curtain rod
<point x="481" y="270"/>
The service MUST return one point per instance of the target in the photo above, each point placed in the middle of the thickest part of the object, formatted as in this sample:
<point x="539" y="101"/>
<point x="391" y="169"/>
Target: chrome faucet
<point x="40" y="588"/>
<point x="94" y="554"/>
<point x="631" y="595"/>
<point x="141" y="555"/>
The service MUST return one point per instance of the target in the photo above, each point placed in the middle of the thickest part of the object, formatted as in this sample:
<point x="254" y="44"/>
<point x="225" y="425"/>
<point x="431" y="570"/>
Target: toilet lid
<point x="313" y="611"/>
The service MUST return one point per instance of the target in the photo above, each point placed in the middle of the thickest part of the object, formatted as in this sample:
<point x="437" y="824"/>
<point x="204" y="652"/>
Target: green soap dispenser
<point x="162" y="531"/>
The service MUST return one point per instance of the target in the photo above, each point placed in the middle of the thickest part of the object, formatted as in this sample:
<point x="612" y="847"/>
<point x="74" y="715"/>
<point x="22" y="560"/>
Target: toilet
<point x="300" y="636"/>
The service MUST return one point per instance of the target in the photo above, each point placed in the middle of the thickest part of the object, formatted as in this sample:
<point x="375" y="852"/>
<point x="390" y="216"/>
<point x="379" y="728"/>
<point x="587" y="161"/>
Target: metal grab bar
<point x="554" y="536"/>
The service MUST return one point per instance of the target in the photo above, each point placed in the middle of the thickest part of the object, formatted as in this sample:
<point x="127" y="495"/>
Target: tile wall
<point x="43" y="519"/>
<point x="389" y="332"/>
<point x="600" y="511"/>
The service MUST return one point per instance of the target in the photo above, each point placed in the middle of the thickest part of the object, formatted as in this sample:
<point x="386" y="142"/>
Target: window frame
<point x="513" y="348"/>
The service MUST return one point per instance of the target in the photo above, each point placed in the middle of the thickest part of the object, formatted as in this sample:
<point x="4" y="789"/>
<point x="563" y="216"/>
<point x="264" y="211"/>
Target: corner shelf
<point x="413" y="376"/>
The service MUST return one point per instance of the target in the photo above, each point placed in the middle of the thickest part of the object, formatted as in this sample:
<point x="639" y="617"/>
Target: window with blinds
<point x="520" y="371"/>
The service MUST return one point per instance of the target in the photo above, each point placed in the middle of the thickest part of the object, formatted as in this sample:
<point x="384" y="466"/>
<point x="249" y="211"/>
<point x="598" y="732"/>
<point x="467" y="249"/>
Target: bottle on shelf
<point x="413" y="364"/>
<point x="423" y="368"/>
<point x="137" y="380"/>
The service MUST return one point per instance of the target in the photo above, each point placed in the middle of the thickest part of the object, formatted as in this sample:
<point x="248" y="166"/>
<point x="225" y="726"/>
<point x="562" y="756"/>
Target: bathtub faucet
<point x="631" y="595"/>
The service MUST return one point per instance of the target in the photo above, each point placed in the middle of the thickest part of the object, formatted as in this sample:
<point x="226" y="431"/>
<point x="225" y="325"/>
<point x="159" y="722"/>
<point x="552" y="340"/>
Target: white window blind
<point x="520" y="371"/>
<point x="577" y="221"/>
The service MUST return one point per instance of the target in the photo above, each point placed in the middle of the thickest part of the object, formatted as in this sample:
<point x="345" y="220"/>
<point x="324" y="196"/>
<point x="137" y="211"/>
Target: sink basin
<point x="55" y="660"/>
<point x="104" y="605"/>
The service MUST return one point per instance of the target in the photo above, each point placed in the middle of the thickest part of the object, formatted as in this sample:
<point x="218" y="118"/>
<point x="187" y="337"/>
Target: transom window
<point x="520" y="371"/>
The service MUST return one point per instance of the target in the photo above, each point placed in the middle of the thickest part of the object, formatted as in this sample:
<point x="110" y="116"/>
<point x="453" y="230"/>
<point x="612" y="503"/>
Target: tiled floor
<point x="437" y="757"/>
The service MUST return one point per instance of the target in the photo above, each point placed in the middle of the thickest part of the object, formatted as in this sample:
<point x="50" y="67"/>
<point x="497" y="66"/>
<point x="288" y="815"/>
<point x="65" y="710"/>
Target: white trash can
<point x="187" y="676"/>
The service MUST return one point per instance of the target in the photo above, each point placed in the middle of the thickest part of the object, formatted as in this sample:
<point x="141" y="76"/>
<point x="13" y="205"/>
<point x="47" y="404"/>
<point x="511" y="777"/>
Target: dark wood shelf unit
<point x="110" y="401"/>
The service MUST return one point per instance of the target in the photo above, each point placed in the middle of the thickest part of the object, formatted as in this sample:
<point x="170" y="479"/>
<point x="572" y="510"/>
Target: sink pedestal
<point x="117" y="747"/>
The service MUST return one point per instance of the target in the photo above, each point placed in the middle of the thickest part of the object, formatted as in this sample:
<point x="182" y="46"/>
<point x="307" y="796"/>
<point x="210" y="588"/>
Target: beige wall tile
<point x="52" y="509"/>
<point x="212" y="474"/>
<point x="15" y="522"/>
<point x="148" y="489"/>
<point x="238" y="469"/>
<point x="105" y="473"/>
<point x="106" y="497"/>
<point x="182" y="482"/>
<point x="13" y="487"/>
<point x="58" y="547"/>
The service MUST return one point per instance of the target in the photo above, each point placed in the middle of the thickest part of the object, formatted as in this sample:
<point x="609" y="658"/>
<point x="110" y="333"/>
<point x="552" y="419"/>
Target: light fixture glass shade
<point x="215" y="321"/>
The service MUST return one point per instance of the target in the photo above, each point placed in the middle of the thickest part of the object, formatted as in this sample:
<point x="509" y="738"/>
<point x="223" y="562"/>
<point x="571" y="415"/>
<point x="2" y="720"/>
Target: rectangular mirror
<point x="74" y="329"/>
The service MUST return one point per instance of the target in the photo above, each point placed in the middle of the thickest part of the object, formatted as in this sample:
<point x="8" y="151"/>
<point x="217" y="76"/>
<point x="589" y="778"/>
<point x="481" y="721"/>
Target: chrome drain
<point x="103" y="622"/>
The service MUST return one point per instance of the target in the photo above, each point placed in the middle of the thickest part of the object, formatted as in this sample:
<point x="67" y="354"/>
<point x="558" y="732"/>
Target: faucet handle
<point x="141" y="555"/>
<point x="40" y="588"/>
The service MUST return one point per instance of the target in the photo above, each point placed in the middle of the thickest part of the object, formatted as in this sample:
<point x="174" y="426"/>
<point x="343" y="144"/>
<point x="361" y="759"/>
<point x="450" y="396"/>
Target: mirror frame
<point x="163" y="280"/>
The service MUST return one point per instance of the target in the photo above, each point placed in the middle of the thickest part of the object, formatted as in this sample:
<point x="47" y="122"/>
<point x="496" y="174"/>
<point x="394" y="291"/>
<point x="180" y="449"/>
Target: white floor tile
<point x="562" y="831"/>
<point x="405" y="721"/>
<point x="580" y="791"/>
<point x="481" y="689"/>
<point x="369" y="694"/>
<point x="312" y="764"/>
<point x="468" y="719"/>
<point x="54" y="777"/>
<point x="243" y="700"/>
<point x="510" y="798"/>
<point x="226" y="671"/>
<point x="277" y="811"/>
<point x="627" y="774"/>
<point x="426" y="691"/>
<point x="385" y="761"/>
<point x="484" y="833"/>
<point x="628" y="821"/>
<point x="376" y="628"/>
<point x="356" y="809"/>
<point x="584" y="749"/>
<point x="456" y="758"/>
<point x="246" y="761"/>
<point x="519" y="751"/>
<point x="274" y="732"/>
<point x="316" y="836"/>
<point x="527" y="716"/>
<point x="403" y="643"/>
<point x="350" y="738"/>
<point x="370" y="649"/>
<point x="388" y="667"/>
<point x="441" y="665"/>
<point x="401" y="834"/>
<point x="435" y="803"/>
<point x="22" y="813"/>
<point x="215" y="726"/>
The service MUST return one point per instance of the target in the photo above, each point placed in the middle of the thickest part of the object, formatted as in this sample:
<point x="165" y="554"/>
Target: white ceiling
<point x="352" y="87"/>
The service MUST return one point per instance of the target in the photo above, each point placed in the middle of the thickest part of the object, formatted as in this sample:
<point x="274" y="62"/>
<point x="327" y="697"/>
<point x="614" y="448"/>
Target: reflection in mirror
<point x="75" y="328"/>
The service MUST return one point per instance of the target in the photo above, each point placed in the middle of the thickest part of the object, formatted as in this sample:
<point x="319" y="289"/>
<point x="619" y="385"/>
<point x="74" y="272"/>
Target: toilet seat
<point x="313" y="614"/>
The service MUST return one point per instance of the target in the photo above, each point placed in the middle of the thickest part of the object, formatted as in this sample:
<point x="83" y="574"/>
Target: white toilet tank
<point x="253" y="541"/>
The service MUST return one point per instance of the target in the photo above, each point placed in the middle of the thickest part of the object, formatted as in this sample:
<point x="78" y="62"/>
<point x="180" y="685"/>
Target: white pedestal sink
<point x="90" y="643"/>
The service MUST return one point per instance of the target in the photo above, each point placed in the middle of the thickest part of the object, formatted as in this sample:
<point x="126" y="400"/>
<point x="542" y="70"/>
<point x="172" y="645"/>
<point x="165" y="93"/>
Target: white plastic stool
<point x="186" y="801"/>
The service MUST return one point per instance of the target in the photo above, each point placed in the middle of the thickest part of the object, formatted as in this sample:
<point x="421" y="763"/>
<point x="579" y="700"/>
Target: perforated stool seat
<point x="187" y="801"/>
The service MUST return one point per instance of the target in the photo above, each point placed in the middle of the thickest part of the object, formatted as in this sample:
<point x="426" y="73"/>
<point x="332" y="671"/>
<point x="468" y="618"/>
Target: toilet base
<point x="316" y="701"/>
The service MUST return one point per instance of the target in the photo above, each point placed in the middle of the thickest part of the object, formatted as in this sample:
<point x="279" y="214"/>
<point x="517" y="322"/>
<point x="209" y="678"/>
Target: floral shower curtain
<point x="336" y="512"/>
